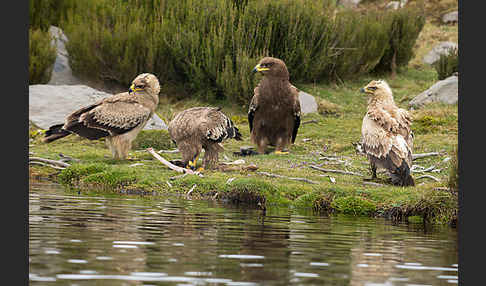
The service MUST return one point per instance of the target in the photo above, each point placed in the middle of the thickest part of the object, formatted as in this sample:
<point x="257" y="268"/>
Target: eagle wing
<point x="111" y="116"/>
<point x="218" y="127"/>
<point x="253" y="107"/>
<point x="296" y="111"/>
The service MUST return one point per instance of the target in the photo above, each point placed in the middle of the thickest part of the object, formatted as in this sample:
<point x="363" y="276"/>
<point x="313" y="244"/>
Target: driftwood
<point x="285" y="177"/>
<point x="336" y="171"/>
<point x="428" y="176"/>
<point x="47" y="162"/>
<point x="423" y="155"/>
<point x="172" y="166"/>
<point x="168" y="151"/>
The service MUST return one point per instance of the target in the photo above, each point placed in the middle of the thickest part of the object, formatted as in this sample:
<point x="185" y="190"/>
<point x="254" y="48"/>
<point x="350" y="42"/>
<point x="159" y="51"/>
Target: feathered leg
<point x="211" y="156"/>
<point x="281" y="145"/>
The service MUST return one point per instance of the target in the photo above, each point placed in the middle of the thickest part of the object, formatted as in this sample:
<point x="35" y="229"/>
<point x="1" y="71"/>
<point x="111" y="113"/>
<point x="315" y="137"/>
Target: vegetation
<point x="447" y="64"/>
<point x="41" y="56"/>
<point x="211" y="62"/>
<point x="209" y="47"/>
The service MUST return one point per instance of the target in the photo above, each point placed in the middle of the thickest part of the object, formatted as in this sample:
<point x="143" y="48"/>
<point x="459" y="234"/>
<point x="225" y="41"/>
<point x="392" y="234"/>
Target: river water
<point x="95" y="239"/>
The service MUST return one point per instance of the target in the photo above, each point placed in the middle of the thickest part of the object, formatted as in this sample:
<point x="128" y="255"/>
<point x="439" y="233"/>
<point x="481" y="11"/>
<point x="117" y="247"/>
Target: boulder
<point x="61" y="72"/>
<point x="444" y="91"/>
<point x="308" y="103"/>
<point x="395" y="5"/>
<point x="451" y="17"/>
<point x="50" y="104"/>
<point x="442" y="48"/>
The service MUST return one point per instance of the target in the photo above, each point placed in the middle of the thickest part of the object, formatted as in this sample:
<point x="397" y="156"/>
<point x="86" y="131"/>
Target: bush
<point x="447" y="64"/>
<point x="41" y="56"/>
<point x="210" y="47"/>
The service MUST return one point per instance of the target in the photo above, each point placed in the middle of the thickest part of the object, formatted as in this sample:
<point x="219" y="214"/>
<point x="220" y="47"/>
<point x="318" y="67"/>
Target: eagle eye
<point x="372" y="87"/>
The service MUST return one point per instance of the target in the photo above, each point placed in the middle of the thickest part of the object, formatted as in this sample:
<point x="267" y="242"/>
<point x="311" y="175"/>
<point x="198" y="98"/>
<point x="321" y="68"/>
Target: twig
<point x="290" y="178"/>
<point x="310" y="121"/>
<point x="48" y="165"/>
<point x="48" y="161"/>
<point x="428" y="176"/>
<point x="168" y="151"/>
<point x="336" y="171"/>
<point x="190" y="191"/>
<point x="423" y="155"/>
<point x="178" y="176"/>
<point x="170" y="165"/>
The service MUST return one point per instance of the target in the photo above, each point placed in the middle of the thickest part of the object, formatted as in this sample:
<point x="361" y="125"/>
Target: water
<point x="82" y="239"/>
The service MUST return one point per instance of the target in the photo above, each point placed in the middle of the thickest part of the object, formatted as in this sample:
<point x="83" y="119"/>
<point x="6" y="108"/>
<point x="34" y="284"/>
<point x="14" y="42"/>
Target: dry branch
<point x="373" y="184"/>
<point x="428" y="176"/>
<point x="290" y="178"/>
<point x="168" y="151"/>
<point x="49" y="162"/>
<point x="48" y="165"/>
<point x="423" y="155"/>
<point x="172" y="166"/>
<point x="336" y="171"/>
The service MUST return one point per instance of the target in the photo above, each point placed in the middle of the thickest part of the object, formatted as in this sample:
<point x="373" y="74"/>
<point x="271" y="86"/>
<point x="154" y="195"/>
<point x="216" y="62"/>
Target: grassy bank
<point x="329" y="136"/>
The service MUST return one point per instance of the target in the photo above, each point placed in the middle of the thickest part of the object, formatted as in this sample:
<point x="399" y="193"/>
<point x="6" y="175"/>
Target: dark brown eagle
<point x="118" y="118"/>
<point x="274" y="112"/>
<point x="386" y="135"/>
<point x="200" y="128"/>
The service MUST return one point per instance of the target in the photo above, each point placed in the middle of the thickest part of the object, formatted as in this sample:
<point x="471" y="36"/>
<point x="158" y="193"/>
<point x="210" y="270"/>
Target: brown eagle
<point x="118" y="118"/>
<point x="200" y="128"/>
<point x="386" y="135"/>
<point x="274" y="112"/>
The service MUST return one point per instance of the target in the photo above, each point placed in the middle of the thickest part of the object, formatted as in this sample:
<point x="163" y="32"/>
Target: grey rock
<point x="442" y="48"/>
<point x="308" y="103"/>
<point x="451" y="17"/>
<point x="61" y="72"/>
<point x="393" y="5"/>
<point x="50" y="104"/>
<point x="444" y="91"/>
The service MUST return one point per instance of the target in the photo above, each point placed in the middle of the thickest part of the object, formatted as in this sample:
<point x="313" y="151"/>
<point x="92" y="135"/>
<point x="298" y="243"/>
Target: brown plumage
<point x="118" y="118"/>
<point x="200" y="128"/>
<point x="274" y="112"/>
<point x="386" y="135"/>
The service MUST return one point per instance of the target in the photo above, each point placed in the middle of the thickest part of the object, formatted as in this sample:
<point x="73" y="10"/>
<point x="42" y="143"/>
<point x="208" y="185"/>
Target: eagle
<point x="387" y="138"/>
<point x="200" y="128"/>
<point x="274" y="111"/>
<point x="118" y="118"/>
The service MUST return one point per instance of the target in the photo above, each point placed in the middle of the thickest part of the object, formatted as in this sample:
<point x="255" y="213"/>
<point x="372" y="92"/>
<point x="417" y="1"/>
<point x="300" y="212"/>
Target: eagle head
<point x="272" y="66"/>
<point x="145" y="82"/>
<point x="377" y="87"/>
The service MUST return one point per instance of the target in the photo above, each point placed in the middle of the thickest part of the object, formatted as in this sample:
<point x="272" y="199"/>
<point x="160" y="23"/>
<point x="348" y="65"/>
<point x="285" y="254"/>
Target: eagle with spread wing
<point x="200" y="128"/>
<point x="118" y="118"/>
<point x="387" y="138"/>
<point x="274" y="111"/>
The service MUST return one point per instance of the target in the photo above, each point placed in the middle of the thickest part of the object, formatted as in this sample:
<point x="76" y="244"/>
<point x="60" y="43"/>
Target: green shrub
<point x="74" y="173"/>
<point x="41" y="56"/>
<point x="210" y="47"/>
<point x="447" y="64"/>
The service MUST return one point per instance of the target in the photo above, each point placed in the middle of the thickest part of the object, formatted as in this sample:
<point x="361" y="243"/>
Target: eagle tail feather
<point x="55" y="132"/>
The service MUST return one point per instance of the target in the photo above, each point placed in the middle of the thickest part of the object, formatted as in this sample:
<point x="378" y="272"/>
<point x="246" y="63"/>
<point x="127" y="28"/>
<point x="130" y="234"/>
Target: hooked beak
<point x="258" y="68"/>
<point x="131" y="89"/>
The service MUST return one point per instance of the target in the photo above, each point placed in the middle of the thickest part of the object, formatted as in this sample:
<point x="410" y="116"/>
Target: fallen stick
<point x="290" y="178"/>
<point x="373" y="184"/>
<point x="428" y="176"/>
<point x="178" y="176"/>
<point x="48" y="161"/>
<point x="336" y="171"/>
<point x="48" y="165"/>
<point x="423" y="155"/>
<point x="168" y="151"/>
<point x="172" y="166"/>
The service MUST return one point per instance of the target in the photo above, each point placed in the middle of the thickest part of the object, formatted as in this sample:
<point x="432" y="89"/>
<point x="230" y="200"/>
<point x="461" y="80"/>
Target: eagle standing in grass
<point x="274" y="112"/>
<point x="118" y="118"/>
<point x="386" y="135"/>
<point x="200" y="128"/>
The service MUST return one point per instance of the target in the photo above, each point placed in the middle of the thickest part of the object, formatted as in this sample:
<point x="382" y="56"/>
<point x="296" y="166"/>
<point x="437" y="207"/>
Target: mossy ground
<point x="435" y="127"/>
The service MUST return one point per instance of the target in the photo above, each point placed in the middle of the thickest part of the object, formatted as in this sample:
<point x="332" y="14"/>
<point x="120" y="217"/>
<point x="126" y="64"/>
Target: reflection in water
<point x="127" y="240"/>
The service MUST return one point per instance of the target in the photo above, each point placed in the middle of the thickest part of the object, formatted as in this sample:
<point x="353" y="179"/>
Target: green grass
<point x="435" y="127"/>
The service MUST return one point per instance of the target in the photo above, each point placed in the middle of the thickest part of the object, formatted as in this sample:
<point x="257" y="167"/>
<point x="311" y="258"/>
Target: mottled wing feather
<point x="296" y="109"/>
<point x="116" y="117"/>
<point x="253" y="107"/>
<point x="218" y="126"/>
